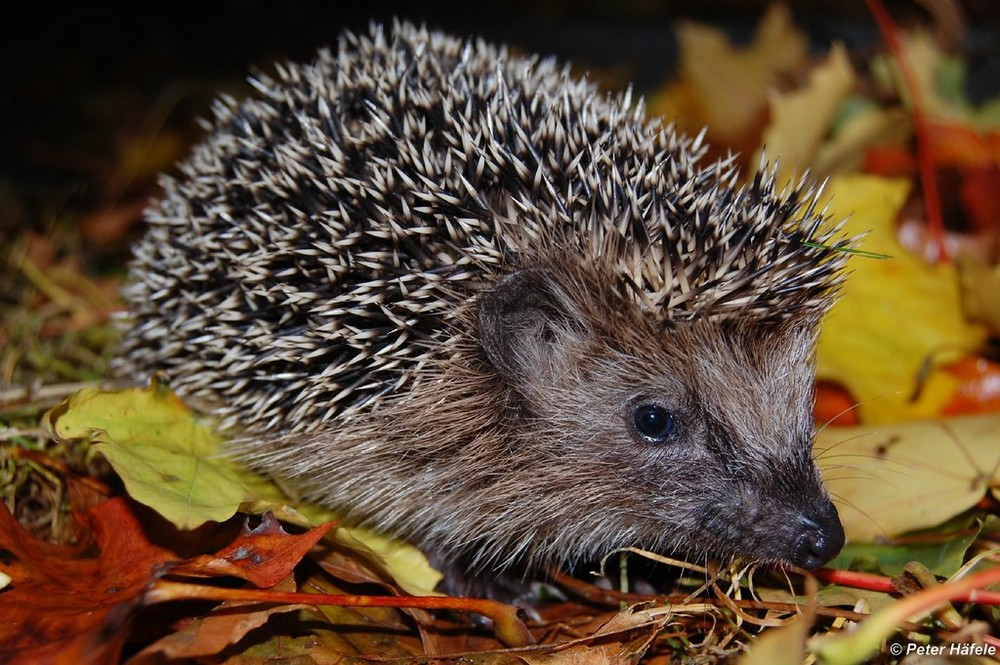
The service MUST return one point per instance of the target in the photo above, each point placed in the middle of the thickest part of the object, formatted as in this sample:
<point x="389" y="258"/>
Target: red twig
<point x="506" y="624"/>
<point x="925" y="160"/>
<point x="855" y="580"/>
<point x="871" y="582"/>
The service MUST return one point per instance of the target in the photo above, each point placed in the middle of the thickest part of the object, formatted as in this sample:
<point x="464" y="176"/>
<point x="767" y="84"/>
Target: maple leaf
<point x="75" y="604"/>
<point x="66" y="605"/>
<point x="800" y="119"/>
<point x="725" y="87"/>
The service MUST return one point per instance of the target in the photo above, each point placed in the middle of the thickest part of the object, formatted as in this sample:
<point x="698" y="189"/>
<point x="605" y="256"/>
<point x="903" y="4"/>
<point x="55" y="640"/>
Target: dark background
<point x="77" y="79"/>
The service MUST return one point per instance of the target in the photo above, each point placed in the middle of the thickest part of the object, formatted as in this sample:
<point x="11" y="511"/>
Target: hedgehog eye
<point x="654" y="423"/>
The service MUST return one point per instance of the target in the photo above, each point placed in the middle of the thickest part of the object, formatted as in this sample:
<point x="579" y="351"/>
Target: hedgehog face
<point x="697" y="438"/>
<point x="743" y="423"/>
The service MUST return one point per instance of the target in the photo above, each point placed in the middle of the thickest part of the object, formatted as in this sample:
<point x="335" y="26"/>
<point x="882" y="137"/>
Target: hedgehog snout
<point x="819" y="539"/>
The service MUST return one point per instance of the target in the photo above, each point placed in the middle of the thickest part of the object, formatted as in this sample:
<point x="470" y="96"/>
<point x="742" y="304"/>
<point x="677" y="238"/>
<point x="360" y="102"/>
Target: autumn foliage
<point x="138" y="540"/>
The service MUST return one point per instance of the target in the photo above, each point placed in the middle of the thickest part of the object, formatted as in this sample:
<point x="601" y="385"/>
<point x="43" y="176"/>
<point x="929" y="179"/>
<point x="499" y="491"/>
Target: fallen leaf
<point x="171" y="461"/>
<point x="726" y="86"/>
<point x="891" y="479"/>
<point x="263" y="556"/>
<point x="406" y="564"/>
<point x="937" y="76"/>
<point x="76" y="604"/>
<point x="207" y="636"/>
<point x="894" y="314"/>
<point x="833" y="405"/>
<point x="385" y="631"/>
<point x="66" y="604"/>
<point x="943" y="555"/>
<point x="266" y="557"/>
<point x="977" y="388"/>
<point x="856" y="139"/>
<point x="622" y="640"/>
<point x="800" y="119"/>
<point x="108" y="228"/>
<point x="779" y="646"/>
<point x="167" y="459"/>
<point x="863" y="642"/>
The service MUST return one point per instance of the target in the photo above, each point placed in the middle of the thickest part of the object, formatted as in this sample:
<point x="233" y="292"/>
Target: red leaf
<point x="833" y="405"/>
<point x="979" y="390"/>
<point x="74" y="604"/>
<point x="263" y="556"/>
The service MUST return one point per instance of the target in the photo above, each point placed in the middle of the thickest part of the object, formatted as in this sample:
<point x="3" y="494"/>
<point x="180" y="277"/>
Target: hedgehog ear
<point x="526" y="325"/>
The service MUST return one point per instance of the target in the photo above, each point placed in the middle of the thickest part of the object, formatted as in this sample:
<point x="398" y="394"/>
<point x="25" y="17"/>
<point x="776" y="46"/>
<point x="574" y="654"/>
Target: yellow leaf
<point x="980" y="286"/>
<point x="167" y="459"/>
<point x="894" y="313"/>
<point x="801" y="118"/>
<point x="173" y="463"/>
<point x="892" y="479"/>
<point x="154" y="412"/>
<point x="845" y="151"/>
<point x="731" y="83"/>
<point x="405" y="563"/>
<point x="779" y="646"/>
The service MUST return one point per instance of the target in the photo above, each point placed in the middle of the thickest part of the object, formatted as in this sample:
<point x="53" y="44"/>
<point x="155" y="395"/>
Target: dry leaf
<point x="728" y="85"/>
<point x="622" y="640"/>
<point x="802" y="118"/>
<point x="65" y="604"/>
<point x="76" y="605"/>
<point x="779" y="646"/>
<point x="891" y="479"/>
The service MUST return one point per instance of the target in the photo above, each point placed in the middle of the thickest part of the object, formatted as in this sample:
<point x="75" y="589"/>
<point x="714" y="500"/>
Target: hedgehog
<point x="466" y="299"/>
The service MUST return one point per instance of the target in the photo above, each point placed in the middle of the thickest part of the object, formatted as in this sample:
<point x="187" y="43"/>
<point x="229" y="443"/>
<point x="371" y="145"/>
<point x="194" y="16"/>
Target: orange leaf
<point x="834" y="405"/>
<point x="954" y="144"/>
<point x="64" y="603"/>
<point x="979" y="386"/>
<point x="75" y="604"/>
<point x="263" y="556"/>
<point x="890" y="161"/>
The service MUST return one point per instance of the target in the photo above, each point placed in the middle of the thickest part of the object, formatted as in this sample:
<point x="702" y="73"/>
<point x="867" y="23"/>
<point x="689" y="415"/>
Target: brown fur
<point x="439" y="288"/>
<point x="535" y="464"/>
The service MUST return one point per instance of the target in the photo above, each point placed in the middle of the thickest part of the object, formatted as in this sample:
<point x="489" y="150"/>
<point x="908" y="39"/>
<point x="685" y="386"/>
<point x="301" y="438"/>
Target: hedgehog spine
<point x="416" y="256"/>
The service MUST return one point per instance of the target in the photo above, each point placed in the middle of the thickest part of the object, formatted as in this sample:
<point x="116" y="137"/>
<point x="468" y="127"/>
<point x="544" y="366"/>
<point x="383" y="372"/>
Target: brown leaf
<point x="74" y="604"/>
<point x="107" y="229"/>
<point x="207" y="636"/>
<point x="263" y="556"/>
<point x="623" y="639"/>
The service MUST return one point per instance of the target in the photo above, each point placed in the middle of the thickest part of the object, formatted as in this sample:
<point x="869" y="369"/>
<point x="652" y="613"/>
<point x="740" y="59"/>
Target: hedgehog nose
<point x="820" y="540"/>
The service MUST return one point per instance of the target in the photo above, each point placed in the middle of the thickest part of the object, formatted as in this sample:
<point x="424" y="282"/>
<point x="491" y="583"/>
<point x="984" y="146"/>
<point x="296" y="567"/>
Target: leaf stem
<point x="506" y="624"/>
<point x="925" y="160"/>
